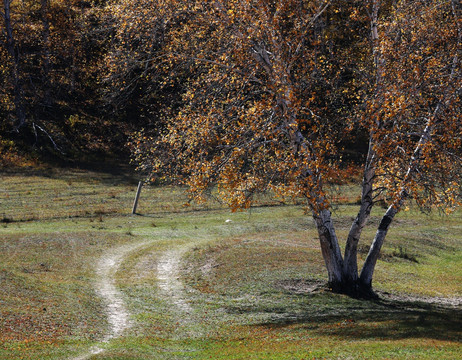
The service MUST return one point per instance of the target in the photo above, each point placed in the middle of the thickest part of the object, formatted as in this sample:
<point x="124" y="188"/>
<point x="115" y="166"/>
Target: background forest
<point x="78" y="77"/>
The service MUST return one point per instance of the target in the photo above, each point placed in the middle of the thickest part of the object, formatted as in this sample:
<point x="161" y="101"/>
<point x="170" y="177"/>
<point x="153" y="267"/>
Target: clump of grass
<point x="402" y="253"/>
<point x="5" y="219"/>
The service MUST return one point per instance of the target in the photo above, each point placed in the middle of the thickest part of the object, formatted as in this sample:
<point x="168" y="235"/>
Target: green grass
<point x="254" y="286"/>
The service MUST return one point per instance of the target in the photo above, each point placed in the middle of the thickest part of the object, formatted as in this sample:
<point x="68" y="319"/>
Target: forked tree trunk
<point x="343" y="273"/>
<point x="342" y="279"/>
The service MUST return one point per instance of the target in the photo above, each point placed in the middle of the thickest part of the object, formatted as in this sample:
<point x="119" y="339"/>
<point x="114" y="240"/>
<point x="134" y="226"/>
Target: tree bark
<point x="350" y="266"/>
<point x="330" y="249"/>
<point x="341" y="280"/>
<point x="374" y="252"/>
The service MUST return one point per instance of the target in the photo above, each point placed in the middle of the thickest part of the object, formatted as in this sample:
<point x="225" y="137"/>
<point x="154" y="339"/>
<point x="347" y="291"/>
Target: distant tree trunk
<point x="15" y="73"/>
<point x="44" y="11"/>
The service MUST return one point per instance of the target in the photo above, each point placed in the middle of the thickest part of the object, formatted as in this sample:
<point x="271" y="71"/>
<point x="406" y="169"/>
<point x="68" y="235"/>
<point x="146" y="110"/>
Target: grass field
<point x="200" y="282"/>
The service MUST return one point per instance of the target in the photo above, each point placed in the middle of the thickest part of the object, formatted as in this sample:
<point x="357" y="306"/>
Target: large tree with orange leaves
<point x="272" y="87"/>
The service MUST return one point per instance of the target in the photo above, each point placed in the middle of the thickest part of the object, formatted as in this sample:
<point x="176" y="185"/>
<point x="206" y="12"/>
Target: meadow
<point x="200" y="282"/>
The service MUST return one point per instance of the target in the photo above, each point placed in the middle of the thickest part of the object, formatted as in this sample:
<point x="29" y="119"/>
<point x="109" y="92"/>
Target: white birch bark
<point x="330" y="248"/>
<point x="350" y="266"/>
<point x="374" y="252"/>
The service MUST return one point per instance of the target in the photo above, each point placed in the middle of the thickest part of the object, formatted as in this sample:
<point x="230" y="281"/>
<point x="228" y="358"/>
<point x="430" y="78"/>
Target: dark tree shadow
<point x="388" y="318"/>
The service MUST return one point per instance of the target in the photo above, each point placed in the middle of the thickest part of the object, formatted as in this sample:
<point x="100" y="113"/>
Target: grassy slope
<point x="253" y="284"/>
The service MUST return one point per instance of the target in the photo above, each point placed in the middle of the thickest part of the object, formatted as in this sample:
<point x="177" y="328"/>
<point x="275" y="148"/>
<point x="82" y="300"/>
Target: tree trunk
<point x="374" y="252"/>
<point x="341" y="280"/>
<point x="362" y="289"/>
<point x="350" y="266"/>
<point x="330" y="249"/>
<point x="15" y="77"/>
<point x="44" y="11"/>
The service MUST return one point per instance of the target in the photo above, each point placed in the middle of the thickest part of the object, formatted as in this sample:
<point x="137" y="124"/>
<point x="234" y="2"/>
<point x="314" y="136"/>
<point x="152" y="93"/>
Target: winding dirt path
<point x="117" y="313"/>
<point x="168" y="273"/>
<point x="168" y="268"/>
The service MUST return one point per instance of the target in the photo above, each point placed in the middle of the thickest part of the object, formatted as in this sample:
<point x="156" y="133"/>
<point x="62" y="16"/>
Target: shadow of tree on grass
<point x="389" y="318"/>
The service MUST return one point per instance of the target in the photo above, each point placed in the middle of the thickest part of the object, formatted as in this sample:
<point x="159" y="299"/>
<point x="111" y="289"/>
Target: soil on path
<point x="117" y="313"/>
<point x="168" y="273"/>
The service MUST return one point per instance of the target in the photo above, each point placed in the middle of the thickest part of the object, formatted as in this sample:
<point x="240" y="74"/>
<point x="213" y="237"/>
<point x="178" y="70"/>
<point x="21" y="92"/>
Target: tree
<point x="266" y="107"/>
